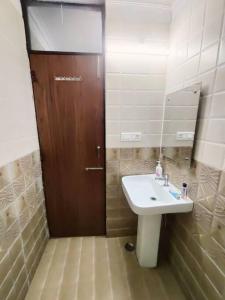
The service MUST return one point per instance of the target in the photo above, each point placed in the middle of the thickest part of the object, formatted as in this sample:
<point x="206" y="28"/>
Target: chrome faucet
<point x="166" y="179"/>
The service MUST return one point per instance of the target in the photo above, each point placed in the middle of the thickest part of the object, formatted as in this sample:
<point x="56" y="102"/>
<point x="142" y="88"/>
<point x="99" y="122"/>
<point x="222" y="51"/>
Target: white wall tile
<point x="135" y="63"/>
<point x="143" y="82"/>
<point x="191" y="67"/>
<point x="112" y="112"/>
<point x="141" y="113"/>
<point x="214" y="9"/>
<point x="113" y="127"/>
<point x="222" y="52"/>
<point x="205" y="106"/>
<point x="214" y="155"/>
<point x="208" y="58"/>
<point x="146" y="127"/>
<point x="199" y="150"/>
<point x="215" y="131"/>
<point x="113" y="81"/>
<point x="137" y="38"/>
<point x="147" y="98"/>
<point x="204" y="27"/>
<point x="113" y="97"/>
<point x="220" y="80"/>
<point x="218" y="106"/>
<point x="197" y="16"/>
<point x="194" y="45"/>
<point x="207" y="81"/>
<point x="212" y="32"/>
<point x="202" y="129"/>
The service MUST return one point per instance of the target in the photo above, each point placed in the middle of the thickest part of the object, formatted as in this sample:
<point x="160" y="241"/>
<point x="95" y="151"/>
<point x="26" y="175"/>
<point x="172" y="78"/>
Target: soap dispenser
<point x="158" y="170"/>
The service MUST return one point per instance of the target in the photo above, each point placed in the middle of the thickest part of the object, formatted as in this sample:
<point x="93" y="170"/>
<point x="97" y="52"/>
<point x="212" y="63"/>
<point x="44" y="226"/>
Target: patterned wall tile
<point x="112" y="167"/>
<point x="221" y="189"/>
<point x="218" y="231"/>
<point x="201" y="231"/>
<point x="219" y="211"/>
<point x="208" y="181"/>
<point x="6" y="196"/>
<point x="19" y="185"/>
<point x="9" y="172"/>
<point x="126" y="154"/>
<point x="134" y="167"/>
<point x="112" y="155"/>
<point x="123" y="162"/>
<point x="23" y="224"/>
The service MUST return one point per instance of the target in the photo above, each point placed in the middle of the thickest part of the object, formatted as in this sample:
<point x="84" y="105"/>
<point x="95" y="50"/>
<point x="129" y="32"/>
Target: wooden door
<point x="69" y="101"/>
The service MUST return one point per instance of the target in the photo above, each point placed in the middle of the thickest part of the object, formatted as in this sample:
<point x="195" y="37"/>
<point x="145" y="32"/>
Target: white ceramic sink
<point x="149" y="199"/>
<point x="140" y="189"/>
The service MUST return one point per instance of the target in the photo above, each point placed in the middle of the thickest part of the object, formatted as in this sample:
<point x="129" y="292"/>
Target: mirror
<point x="179" y="126"/>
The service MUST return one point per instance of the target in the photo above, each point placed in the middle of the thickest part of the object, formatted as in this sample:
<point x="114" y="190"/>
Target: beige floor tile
<point x="71" y="272"/>
<point x="86" y="272"/>
<point x="103" y="286"/>
<point x="56" y="271"/>
<point x="41" y="274"/>
<point x="99" y="268"/>
<point x="120" y="285"/>
<point x="173" y="290"/>
<point x="154" y="285"/>
<point x="135" y="275"/>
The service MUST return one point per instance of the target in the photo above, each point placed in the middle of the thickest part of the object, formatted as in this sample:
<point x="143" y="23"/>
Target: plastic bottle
<point x="184" y="191"/>
<point x="158" y="170"/>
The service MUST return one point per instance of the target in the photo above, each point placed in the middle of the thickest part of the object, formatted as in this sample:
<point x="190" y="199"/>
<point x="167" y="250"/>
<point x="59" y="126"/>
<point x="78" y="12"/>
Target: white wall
<point x="197" y="54"/>
<point x="18" y="134"/>
<point x="137" y="36"/>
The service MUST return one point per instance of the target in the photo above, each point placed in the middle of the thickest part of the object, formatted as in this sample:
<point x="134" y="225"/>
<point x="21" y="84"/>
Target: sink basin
<point x="149" y="199"/>
<point x="148" y="196"/>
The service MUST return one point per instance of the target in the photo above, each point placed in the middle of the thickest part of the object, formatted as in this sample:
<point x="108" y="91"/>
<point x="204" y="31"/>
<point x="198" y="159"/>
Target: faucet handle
<point x="166" y="179"/>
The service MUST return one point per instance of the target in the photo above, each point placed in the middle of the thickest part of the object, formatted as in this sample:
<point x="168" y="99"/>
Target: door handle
<point x="94" y="169"/>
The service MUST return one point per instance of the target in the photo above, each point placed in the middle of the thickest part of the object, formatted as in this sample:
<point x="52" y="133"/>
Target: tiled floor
<point x="98" y="269"/>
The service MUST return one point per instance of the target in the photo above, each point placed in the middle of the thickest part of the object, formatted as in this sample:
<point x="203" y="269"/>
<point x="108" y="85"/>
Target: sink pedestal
<point x="148" y="240"/>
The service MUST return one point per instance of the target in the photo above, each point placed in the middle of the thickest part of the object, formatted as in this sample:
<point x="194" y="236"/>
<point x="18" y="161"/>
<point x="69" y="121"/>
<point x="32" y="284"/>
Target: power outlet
<point x="131" y="136"/>
<point x="185" y="136"/>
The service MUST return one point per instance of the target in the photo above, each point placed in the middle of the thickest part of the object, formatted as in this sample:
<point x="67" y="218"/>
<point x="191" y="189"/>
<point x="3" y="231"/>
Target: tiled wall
<point x="23" y="226"/>
<point x="120" y="162"/>
<point x="137" y="36"/>
<point x="198" y="55"/>
<point x="197" y="239"/>
<point x="23" y="229"/>
<point x="18" y="133"/>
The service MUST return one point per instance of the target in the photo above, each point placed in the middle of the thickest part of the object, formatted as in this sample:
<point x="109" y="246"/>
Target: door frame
<point x="39" y="52"/>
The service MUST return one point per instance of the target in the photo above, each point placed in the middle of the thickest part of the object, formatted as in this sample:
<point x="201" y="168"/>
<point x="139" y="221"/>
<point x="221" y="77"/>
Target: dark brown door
<point x="69" y="103"/>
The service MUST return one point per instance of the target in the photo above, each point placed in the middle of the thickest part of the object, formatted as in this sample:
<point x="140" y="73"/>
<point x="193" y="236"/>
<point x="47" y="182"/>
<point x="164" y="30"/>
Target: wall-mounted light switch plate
<point x="130" y="136"/>
<point x="185" y="136"/>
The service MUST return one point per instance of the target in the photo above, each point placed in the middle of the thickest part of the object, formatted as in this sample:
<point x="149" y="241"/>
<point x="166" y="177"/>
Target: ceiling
<point x="164" y="2"/>
<point x="76" y="1"/>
